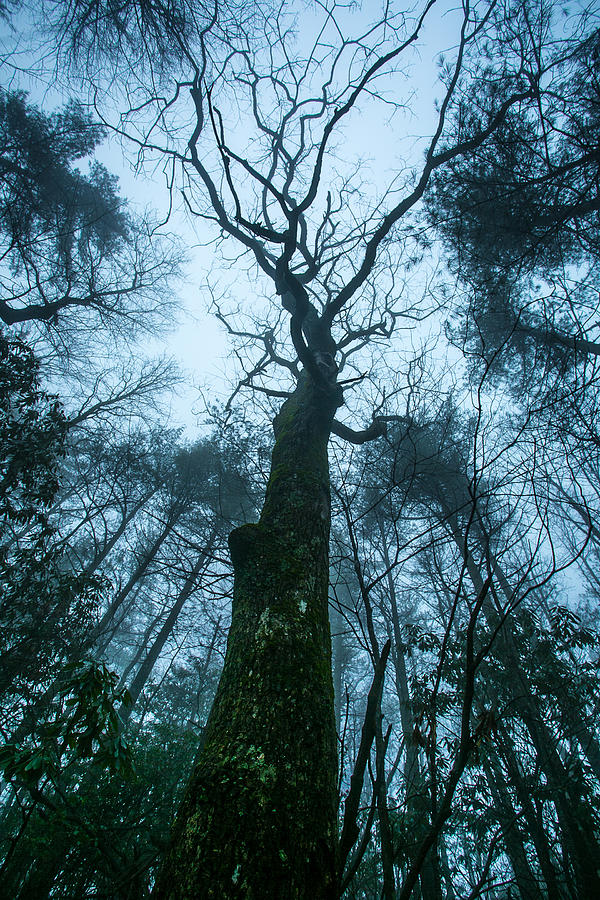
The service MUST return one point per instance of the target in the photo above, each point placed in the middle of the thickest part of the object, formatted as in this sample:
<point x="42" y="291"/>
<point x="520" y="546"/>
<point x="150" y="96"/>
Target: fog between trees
<point x="343" y="642"/>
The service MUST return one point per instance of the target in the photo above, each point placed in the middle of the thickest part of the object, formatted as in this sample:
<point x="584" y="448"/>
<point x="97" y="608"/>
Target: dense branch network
<point x="279" y="201"/>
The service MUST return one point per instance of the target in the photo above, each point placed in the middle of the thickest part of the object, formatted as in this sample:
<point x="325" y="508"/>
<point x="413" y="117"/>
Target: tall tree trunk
<point x="578" y="729"/>
<point x="574" y="816"/>
<point x="575" y="820"/>
<point x="128" y="517"/>
<point x="101" y="634"/>
<point x="573" y="811"/>
<point x="203" y="686"/>
<point x="445" y="871"/>
<point x="385" y="826"/>
<point x="416" y="799"/>
<point x="260" y="813"/>
<point x="533" y="823"/>
<point x="507" y="817"/>
<point x="337" y="624"/>
<point x="145" y="670"/>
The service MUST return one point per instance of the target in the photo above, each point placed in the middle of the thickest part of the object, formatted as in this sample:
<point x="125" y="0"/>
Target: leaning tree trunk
<point x="145" y="670"/>
<point x="259" y="815"/>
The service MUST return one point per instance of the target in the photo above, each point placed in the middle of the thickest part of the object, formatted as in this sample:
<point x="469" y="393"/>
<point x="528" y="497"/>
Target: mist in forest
<point x="300" y="460"/>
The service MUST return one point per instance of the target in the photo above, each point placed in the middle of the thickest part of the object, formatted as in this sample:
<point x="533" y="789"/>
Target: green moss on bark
<point x="259" y="816"/>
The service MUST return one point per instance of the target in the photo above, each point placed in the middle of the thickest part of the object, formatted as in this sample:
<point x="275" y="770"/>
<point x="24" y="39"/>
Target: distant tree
<point x="45" y="607"/>
<point x="57" y="707"/>
<point x="521" y="225"/>
<point x="429" y="461"/>
<point x="68" y="242"/>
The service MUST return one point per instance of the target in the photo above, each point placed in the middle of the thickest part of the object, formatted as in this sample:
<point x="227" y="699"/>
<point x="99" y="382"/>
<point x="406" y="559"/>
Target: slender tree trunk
<point x="337" y="624"/>
<point x="101" y="633"/>
<point x="579" y="730"/>
<point x="141" y="651"/>
<point x="385" y="827"/>
<point x="46" y="866"/>
<point x="416" y="801"/>
<point x="12" y="662"/>
<point x="574" y="817"/>
<point x="112" y="541"/>
<point x="527" y="883"/>
<point x="195" y="718"/>
<point x="445" y="871"/>
<point x="145" y="670"/>
<point x="259" y="817"/>
<point x="533" y="823"/>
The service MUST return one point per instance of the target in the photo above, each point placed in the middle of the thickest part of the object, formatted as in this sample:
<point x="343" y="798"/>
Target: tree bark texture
<point x="259" y="818"/>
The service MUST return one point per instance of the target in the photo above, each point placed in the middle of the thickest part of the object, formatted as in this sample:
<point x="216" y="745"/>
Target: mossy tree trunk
<point x="259" y="818"/>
